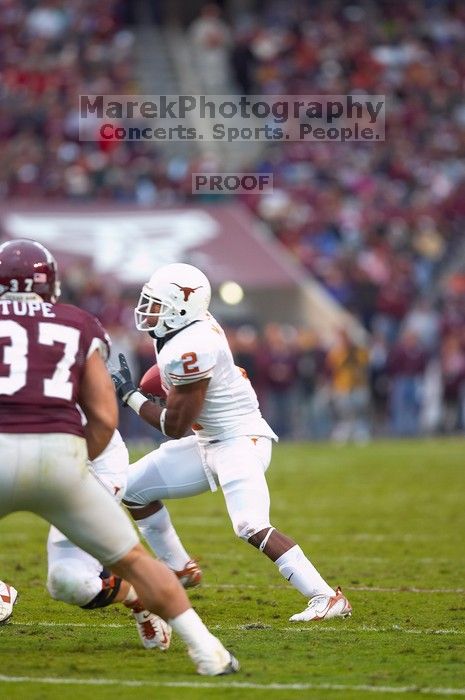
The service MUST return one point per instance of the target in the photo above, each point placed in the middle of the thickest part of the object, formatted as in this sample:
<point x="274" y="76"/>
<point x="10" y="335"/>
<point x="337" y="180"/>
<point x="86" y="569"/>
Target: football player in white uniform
<point x="75" y="577"/>
<point x="231" y="445"/>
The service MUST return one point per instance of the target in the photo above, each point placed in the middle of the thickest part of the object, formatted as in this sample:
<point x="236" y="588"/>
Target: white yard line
<point x="259" y="626"/>
<point x="233" y="685"/>
<point x="84" y="625"/>
<point x="411" y="589"/>
<point x="358" y="630"/>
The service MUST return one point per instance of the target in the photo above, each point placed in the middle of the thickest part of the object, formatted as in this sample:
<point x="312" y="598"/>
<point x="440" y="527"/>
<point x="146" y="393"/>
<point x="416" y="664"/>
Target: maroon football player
<point x="51" y="360"/>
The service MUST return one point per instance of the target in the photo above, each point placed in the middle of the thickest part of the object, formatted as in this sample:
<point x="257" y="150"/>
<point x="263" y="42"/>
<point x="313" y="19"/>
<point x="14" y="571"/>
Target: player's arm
<point x="183" y="404"/>
<point x="97" y="400"/>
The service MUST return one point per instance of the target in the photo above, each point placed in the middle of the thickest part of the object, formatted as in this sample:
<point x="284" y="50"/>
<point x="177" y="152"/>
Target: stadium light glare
<point x="231" y="293"/>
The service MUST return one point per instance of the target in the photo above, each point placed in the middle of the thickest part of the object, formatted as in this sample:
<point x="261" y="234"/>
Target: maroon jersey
<point x="43" y="351"/>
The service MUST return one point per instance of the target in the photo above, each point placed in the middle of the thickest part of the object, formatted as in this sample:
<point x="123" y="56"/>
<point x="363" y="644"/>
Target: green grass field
<point x="386" y="522"/>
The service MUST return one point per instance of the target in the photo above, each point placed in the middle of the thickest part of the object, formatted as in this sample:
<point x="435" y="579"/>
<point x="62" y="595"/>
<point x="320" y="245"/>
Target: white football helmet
<point x="183" y="293"/>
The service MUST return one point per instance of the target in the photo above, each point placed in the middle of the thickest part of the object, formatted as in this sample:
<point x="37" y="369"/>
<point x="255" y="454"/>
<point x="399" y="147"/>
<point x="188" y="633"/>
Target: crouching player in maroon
<point x="50" y="362"/>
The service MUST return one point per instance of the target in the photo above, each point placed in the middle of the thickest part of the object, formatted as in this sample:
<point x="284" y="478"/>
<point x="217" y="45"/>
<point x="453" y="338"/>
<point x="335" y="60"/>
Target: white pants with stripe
<point x="183" y="468"/>
<point x="48" y="474"/>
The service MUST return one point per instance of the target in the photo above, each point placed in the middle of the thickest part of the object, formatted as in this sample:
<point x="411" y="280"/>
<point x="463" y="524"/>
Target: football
<point x="151" y="382"/>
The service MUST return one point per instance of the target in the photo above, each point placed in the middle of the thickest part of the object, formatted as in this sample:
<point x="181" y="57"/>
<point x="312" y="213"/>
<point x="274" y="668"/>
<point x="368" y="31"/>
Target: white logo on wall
<point x="130" y="245"/>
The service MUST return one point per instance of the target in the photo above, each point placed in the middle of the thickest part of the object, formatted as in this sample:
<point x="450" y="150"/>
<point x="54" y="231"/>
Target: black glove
<point x="122" y="380"/>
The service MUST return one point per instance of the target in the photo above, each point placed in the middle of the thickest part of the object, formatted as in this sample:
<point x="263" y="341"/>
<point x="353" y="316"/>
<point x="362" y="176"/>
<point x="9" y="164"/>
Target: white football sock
<point x="131" y="597"/>
<point x="163" y="538"/>
<point x="300" y="572"/>
<point x="192" y="630"/>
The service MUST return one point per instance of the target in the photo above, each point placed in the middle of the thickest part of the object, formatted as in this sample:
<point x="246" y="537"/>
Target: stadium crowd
<point x="377" y="224"/>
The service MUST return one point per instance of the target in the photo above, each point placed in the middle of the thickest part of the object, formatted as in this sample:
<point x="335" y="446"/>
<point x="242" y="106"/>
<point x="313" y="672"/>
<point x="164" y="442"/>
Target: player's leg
<point x="240" y="465"/>
<point x="111" y="469"/>
<point x="70" y="498"/>
<point x="77" y="578"/>
<point x="207" y="652"/>
<point x="155" y="526"/>
<point x="174" y="470"/>
<point x="74" y="576"/>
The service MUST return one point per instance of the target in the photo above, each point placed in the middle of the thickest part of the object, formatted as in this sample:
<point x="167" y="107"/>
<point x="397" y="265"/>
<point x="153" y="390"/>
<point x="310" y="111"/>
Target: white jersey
<point x="230" y="409"/>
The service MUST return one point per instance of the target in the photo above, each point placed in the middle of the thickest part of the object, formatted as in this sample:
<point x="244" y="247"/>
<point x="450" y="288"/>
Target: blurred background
<point x="343" y="291"/>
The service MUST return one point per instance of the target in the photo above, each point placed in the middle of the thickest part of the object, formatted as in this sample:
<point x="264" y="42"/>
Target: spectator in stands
<point x="245" y="343"/>
<point x="347" y="364"/>
<point x="243" y="61"/>
<point x="453" y="373"/>
<point x="211" y="39"/>
<point x="313" y="418"/>
<point x="279" y="372"/>
<point x="378" y="380"/>
<point x="423" y="321"/>
<point x="407" y="362"/>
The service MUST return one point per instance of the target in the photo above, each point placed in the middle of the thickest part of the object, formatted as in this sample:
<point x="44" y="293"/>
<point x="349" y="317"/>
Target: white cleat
<point x="154" y="632"/>
<point x="191" y="575"/>
<point x="324" y="607"/>
<point x="218" y="662"/>
<point x="8" y="598"/>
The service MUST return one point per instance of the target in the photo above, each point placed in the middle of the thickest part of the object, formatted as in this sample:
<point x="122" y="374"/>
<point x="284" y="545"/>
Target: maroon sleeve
<point x="95" y="337"/>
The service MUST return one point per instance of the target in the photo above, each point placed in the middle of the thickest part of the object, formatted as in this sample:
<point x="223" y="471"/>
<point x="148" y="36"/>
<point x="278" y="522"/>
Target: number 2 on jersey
<point x="15" y="356"/>
<point x="189" y="363"/>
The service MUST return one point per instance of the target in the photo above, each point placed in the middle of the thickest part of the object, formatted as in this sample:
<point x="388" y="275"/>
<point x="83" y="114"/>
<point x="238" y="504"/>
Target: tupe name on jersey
<point x="10" y="307"/>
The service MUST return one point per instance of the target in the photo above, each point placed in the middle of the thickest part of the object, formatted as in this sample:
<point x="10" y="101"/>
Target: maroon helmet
<point x="27" y="271"/>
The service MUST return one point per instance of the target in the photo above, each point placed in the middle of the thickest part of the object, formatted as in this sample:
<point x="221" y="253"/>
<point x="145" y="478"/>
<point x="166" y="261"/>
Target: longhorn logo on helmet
<point x="187" y="291"/>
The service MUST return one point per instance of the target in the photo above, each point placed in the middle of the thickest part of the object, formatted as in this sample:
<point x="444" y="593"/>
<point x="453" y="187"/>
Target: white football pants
<point x="183" y="468"/>
<point x="48" y="474"/>
<point x="73" y="574"/>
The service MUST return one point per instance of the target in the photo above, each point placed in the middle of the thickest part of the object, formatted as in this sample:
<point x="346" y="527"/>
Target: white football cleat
<point x="218" y="662"/>
<point x="191" y="575"/>
<point x="8" y="598"/>
<point x="324" y="607"/>
<point x="154" y="632"/>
